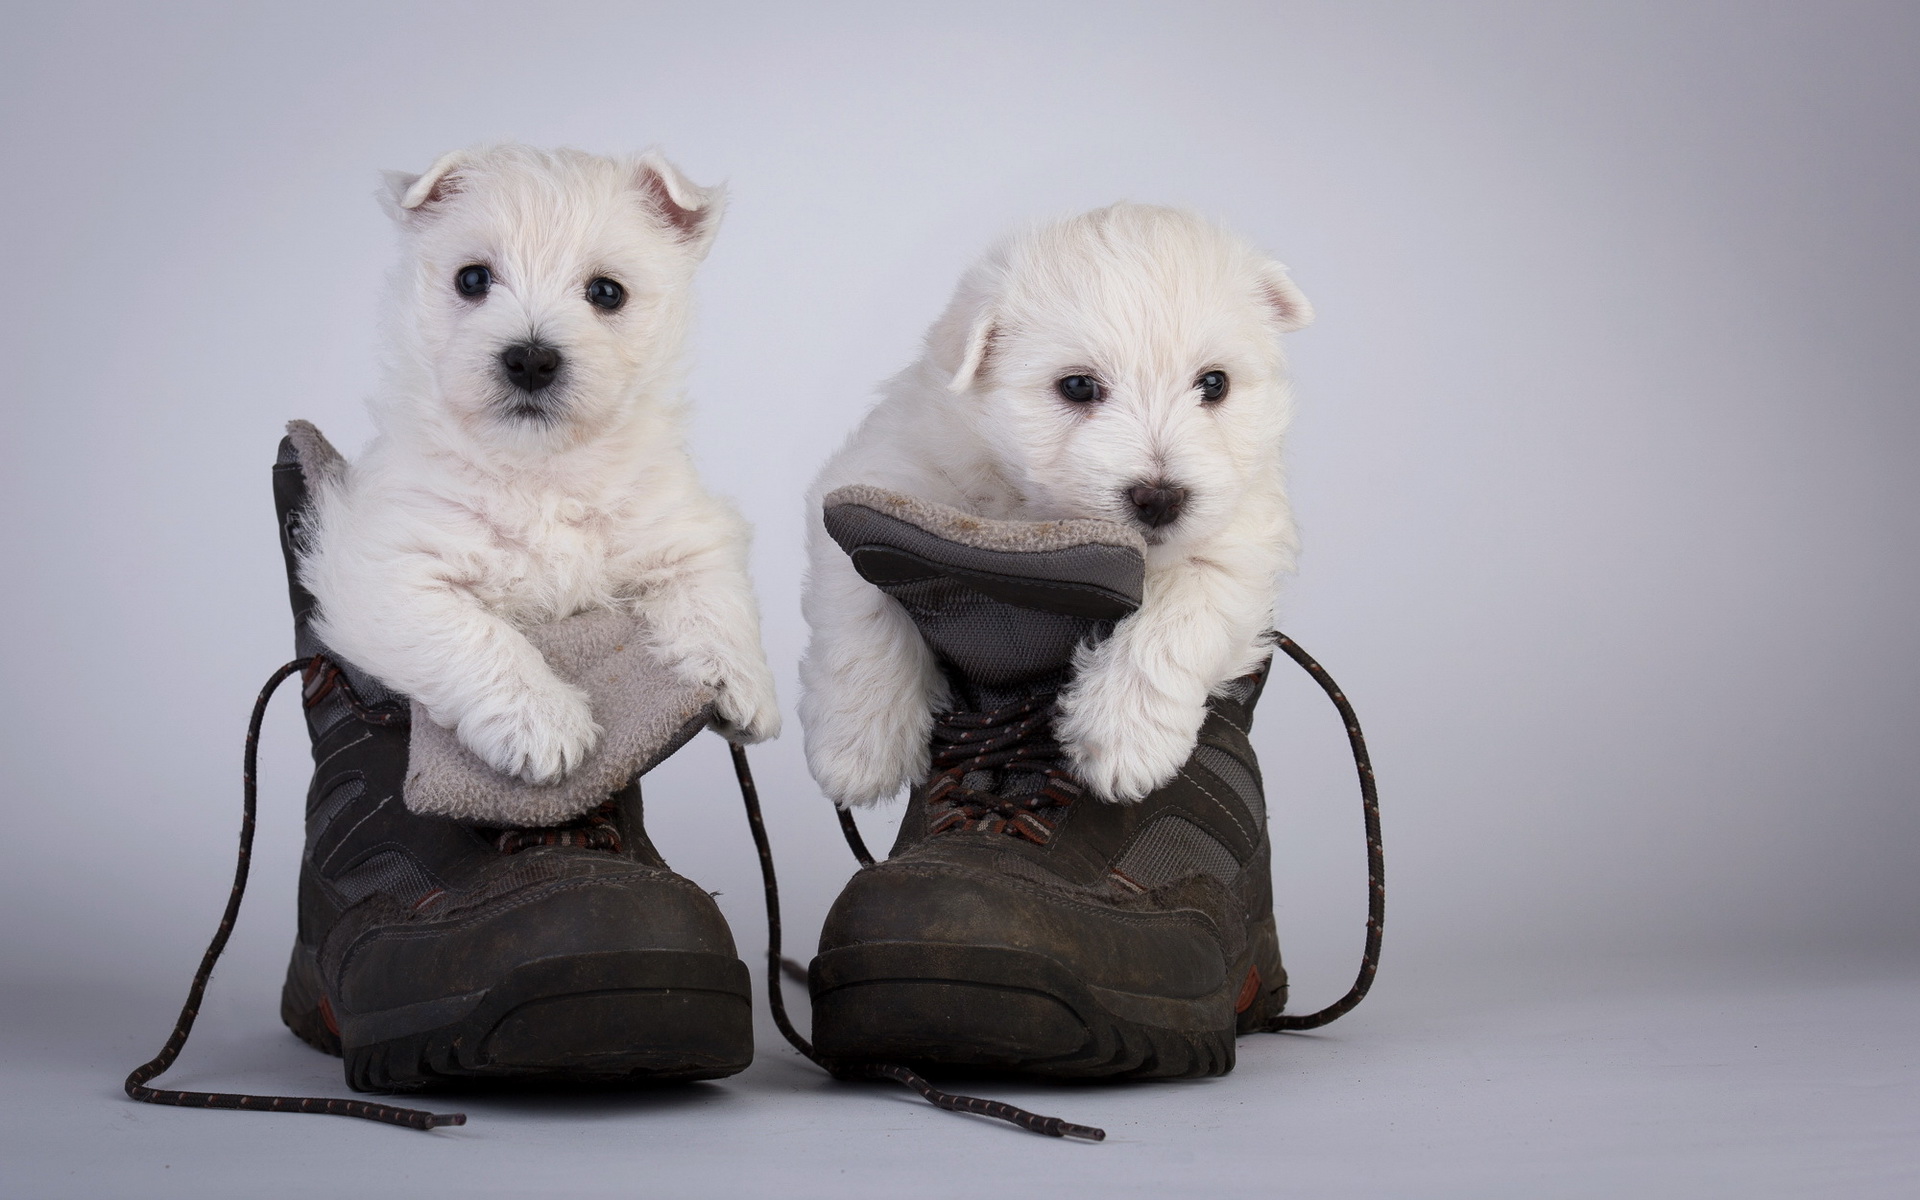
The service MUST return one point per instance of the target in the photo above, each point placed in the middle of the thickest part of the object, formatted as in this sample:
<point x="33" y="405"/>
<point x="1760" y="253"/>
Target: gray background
<point x="1603" y="463"/>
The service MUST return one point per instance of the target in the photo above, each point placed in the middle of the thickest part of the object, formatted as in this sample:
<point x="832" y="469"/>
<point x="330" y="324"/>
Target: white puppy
<point x="1123" y="364"/>
<point x="530" y="461"/>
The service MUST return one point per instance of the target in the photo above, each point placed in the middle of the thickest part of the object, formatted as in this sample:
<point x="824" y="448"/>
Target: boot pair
<point x="1018" y="925"/>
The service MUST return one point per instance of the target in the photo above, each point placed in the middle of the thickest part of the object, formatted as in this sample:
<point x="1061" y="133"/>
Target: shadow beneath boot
<point x="974" y="1079"/>
<point x="584" y="1101"/>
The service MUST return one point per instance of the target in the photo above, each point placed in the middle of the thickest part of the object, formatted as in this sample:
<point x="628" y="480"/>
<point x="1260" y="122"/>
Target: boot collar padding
<point x="983" y="533"/>
<point x="1082" y="568"/>
<point x="319" y="462"/>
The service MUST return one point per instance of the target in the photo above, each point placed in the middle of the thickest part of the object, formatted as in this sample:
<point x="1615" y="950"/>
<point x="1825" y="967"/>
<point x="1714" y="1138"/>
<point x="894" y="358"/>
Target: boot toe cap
<point x="453" y="945"/>
<point x="1161" y="952"/>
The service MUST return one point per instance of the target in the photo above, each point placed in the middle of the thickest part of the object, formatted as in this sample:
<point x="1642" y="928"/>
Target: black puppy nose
<point x="530" y="366"/>
<point x="1157" y="504"/>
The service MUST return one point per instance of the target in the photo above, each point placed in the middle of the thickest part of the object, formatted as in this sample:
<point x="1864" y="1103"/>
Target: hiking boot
<point x="1019" y="923"/>
<point x="432" y="949"/>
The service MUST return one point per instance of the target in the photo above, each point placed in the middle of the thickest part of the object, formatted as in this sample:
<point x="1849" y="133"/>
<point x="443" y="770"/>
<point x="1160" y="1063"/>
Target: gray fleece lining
<point x="644" y="707"/>
<point x="983" y="533"/>
<point x="319" y="461"/>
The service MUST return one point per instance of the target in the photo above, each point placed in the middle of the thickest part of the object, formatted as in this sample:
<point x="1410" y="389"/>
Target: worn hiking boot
<point x="431" y="949"/>
<point x="1019" y="924"/>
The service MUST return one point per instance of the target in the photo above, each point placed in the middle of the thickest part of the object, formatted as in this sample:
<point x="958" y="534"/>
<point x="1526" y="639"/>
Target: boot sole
<point x="620" y="1016"/>
<point x="998" y="1008"/>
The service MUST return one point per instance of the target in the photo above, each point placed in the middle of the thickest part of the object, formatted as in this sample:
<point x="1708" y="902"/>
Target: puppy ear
<point x="690" y="212"/>
<point x="974" y="353"/>
<point x="1290" y="308"/>
<point x="409" y="197"/>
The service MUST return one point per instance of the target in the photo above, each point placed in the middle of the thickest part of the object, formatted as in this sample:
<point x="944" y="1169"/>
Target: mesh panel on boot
<point x="1000" y="652"/>
<point x="1175" y="848"/>
<point x="394" y="872"/>
<point x="1232" y="772"/>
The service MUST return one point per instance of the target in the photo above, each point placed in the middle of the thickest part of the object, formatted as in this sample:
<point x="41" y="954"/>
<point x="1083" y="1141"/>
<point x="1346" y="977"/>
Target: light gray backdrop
<point x="1604" y="459"/>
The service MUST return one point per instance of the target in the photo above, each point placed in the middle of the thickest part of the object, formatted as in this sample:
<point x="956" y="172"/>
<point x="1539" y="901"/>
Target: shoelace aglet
<point x="999" y="1110"/>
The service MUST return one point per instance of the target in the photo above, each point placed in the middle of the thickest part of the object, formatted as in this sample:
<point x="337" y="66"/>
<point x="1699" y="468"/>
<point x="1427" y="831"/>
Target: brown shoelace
<point x="1013" y="741"/>
<point x="597" y="829"/>
<point x="1376" y="861"/>
<point x="144" y="1074"/>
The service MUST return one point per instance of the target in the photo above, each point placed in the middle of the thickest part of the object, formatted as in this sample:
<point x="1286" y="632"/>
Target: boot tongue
<point x="1002" y="604"/>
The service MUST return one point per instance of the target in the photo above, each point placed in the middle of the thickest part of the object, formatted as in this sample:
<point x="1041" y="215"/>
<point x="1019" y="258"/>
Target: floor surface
<point x="1581" y="1085"/>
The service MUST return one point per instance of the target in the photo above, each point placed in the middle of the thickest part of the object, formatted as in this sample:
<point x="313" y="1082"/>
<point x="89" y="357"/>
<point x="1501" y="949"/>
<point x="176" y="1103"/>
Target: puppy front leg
<point x="868" y="686"/>
<point x="474" y="673"/>
<point x="699" y="603"/>
<point x="1130" y="718"/>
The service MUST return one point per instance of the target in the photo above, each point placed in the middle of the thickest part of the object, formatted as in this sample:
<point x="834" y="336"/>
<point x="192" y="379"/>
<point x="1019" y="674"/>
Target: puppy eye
<point x="472" y="281"/>
<point x="1081" y="389"/>
<point x="1213" y="385"/>
<point x="606" y="293"/>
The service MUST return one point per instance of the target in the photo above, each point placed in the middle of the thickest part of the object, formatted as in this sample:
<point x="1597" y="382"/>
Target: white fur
<point x="1146" y="300"/>
<point x="464" y="523"/>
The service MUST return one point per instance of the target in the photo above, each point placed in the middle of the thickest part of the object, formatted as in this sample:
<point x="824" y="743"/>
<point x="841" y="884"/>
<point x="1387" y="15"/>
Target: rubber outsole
<point x="1002" y="1009"/>
<point x="620" y="1016"/>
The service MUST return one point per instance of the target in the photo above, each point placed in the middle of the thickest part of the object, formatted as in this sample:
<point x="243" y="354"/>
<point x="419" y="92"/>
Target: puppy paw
<point x="537" y="735"/>
<point x="1125" y="739"/>
<point x="746" y="710"/>
<point x="865" y="759"/>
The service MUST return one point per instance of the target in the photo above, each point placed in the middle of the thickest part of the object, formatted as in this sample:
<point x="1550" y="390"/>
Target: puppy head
<point x="544" y="294"/>
<point x="1126" y="364"/>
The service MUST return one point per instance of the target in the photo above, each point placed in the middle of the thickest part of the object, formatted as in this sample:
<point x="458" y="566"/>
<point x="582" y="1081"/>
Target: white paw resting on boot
<point x="537" y="735"/>
<point x="746" y="709"/>
<point x="1124" y="364"/>
<point x="1124" y="732"/>
<point x="529" y="461"/>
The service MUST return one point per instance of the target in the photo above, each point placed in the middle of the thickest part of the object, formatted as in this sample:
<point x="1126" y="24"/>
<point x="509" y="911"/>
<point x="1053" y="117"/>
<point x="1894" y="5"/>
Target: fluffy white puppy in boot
<point x="530" y="461"/>
<point x="1123" y="364"/>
